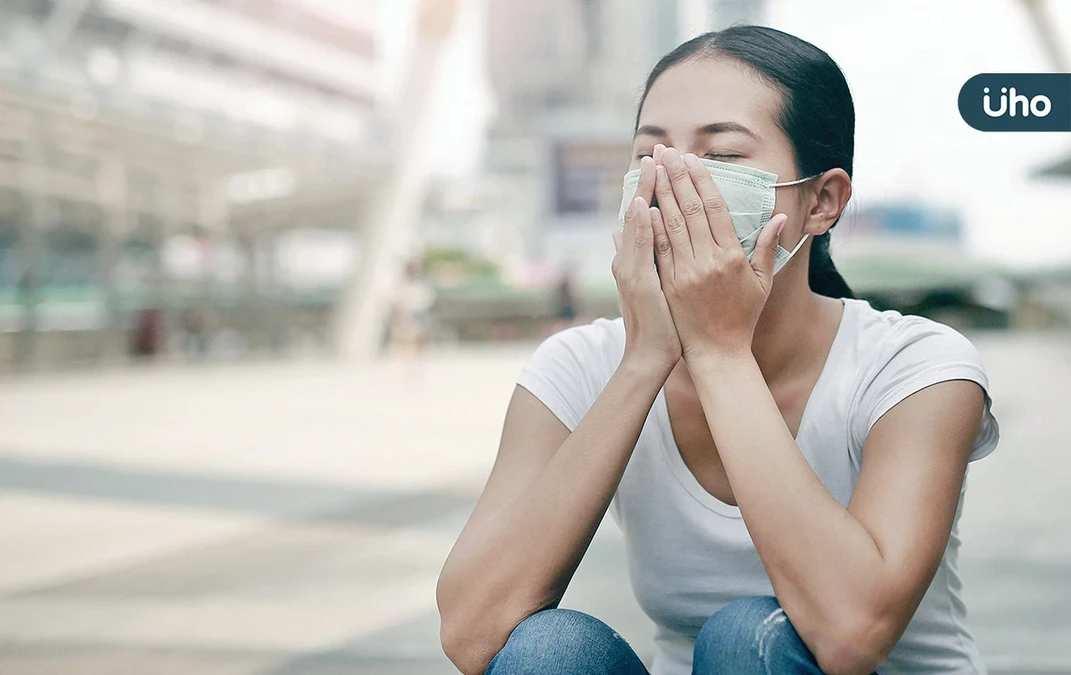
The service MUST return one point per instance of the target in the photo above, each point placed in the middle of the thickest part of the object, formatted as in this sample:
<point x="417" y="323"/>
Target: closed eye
<point x="711" y="155"/>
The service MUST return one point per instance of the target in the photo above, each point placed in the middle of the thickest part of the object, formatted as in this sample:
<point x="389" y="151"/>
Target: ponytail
<point x="822" y="274"/>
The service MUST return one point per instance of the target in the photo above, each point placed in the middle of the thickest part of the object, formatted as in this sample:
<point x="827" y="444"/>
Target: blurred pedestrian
<point x="565" y="312"/>
<point x="195" y="332"/>
<point x="410" y="318"/>
<point x="29" y="297"/>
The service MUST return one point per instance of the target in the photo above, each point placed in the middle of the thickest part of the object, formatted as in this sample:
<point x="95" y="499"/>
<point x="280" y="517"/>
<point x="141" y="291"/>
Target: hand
<point x="714" y="293"/>
<point x="650" y="337"/>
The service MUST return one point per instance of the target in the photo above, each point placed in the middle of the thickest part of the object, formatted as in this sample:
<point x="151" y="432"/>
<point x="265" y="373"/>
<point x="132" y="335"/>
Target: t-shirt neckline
<point x="672" y="453"/>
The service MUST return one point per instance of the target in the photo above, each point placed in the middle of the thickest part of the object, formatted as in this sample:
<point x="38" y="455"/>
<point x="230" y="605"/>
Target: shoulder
<point x="569" y="368"/>
<point x="590" y="345"/>
<point x="900" y="354"/>
<point x="887" y="338"/>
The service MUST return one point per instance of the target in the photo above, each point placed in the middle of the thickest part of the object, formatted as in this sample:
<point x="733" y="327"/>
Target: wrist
<point x="713" y="357"/>
<point x="647" y="366"/>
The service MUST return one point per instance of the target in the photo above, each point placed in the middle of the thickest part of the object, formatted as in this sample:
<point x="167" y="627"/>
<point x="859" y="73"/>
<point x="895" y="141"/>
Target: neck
<point x="792" y="328"/>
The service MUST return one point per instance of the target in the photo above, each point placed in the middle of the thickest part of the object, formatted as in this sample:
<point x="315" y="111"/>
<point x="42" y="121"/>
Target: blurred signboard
<point x="587" y="176"/>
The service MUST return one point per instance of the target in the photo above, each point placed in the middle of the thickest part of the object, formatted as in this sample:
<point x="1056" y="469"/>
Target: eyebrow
<point x="714" y="128"/>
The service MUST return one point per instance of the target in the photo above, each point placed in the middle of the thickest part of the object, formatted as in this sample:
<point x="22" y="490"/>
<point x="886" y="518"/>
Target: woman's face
<point x="719" y="109"/>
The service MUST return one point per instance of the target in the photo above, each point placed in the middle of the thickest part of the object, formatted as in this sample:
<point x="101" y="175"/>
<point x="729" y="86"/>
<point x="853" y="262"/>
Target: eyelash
<point x="710" y="155"/>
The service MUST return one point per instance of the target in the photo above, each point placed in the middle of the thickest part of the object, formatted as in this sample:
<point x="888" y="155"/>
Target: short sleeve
<point x="568" y="370"/>
<point x="922" y="354"/>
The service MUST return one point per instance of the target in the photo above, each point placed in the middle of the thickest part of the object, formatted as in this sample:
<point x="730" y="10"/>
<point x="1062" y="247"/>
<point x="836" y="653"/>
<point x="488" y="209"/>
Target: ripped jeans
<point x="751" y="636"/>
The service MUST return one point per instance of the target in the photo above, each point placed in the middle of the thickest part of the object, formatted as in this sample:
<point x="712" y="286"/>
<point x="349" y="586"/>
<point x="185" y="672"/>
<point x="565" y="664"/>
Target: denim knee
<point x="751" y="636"/>
<point x="565" y="641"/>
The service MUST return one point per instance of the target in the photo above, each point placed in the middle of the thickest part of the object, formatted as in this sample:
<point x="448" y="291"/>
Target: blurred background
<point x="269" y="268"/>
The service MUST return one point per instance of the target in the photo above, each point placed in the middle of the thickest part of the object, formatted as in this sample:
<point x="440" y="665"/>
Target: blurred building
<point x="568" y="75"/>
<point x="154" y="154"/>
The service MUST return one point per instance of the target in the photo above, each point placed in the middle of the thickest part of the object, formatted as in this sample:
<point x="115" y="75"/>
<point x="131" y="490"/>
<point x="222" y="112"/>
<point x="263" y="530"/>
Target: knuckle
<point x="736" y="259"/>
<point x="691" y="206"/>
<point x="713" y="204"/>
<point x="675" y="223"/>
<point x="663" y="245"/>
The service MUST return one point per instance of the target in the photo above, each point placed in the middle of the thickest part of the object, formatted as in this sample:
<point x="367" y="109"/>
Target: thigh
<point x="565" y="642"/>
<point x="751" y="636"/>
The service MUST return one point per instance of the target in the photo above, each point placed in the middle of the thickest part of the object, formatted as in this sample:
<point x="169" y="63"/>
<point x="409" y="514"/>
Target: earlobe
<point x="833" y="196"/>
<point x="819" y="223"/>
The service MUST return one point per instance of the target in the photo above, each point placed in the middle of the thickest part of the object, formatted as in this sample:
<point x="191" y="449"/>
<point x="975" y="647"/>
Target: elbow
<point x="843" y="659"/>
<point x="855" y="643"/>
<point x="469" y="637"/>
<point x="459" y="637"/>
<point x="465" y="649"/>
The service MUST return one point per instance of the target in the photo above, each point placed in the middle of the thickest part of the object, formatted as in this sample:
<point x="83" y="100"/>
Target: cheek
<point x="789" y="205"/>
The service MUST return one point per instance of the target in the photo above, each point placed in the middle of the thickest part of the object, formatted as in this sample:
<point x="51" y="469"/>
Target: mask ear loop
<point x="790" y="253"/>
<point x="805" y="235"/>
<point x="795" y="182"/>
<point x="798" y="245"/>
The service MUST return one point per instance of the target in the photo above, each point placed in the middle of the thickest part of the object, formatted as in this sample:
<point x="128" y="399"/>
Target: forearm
<point x="825" y="567"/>
<point x="523" y="559"/>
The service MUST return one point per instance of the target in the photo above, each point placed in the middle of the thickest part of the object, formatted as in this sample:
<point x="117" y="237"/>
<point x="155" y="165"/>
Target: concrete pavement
<point x="271" y="519"/>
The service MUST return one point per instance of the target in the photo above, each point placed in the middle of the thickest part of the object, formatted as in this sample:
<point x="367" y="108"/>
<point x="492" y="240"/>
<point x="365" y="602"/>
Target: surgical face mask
<point x="749" y="195"/>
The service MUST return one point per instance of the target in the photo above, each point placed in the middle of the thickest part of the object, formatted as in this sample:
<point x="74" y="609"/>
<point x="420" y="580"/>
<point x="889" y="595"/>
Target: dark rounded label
<point x="1017" y="102"/>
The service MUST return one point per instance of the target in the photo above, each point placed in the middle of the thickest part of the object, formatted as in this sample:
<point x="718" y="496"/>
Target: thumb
<point x="617" y="241"/>
<point x="762" y="260"/>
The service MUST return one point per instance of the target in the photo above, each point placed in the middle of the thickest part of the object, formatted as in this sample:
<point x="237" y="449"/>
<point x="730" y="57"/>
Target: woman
<point x="787" y="463"/>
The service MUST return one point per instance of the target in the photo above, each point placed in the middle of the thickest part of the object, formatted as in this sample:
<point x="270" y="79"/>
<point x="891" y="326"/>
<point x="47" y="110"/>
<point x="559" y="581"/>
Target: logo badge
<point x="1017" y="102"/>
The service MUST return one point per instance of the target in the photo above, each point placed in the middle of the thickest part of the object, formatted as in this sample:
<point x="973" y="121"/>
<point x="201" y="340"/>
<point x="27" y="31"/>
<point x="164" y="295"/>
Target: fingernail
<point x="672" y="158"/>
<point x="659" y="149"/>
<point x="692" y="161"/>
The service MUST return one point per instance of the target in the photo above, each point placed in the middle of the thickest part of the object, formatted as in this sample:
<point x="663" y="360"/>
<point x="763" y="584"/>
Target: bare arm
<point x="544" y="500"/>
<point x="549" y="489"/>
<point x="849" y="579"/>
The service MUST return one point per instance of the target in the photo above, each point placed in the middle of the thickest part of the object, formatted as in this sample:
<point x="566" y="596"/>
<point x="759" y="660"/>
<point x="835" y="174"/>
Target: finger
<point x="721" y="224"/>
<point x="645" y="188"/>
<point x="762" y="260"/>
<point x="663" y="249"/>
<point x="617" y="241"/>
<point x="676" y="227"/>
<point x="628" y="233"/>
<point x="643" y="246"/>
<point x="658" y="150"/>
<point x="689" y="203"/>
<point x="641" y="231"/>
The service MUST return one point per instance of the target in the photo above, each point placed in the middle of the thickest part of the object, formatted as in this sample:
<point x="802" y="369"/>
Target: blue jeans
<point x="751" y="636"/>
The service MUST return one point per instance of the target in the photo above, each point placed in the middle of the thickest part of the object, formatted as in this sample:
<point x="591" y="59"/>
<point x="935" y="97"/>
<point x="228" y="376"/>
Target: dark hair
<point x="818" y="115"/>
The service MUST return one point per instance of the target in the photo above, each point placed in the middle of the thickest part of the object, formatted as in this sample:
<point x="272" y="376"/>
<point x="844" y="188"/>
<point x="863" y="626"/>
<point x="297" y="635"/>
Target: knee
<point x="552" y="639"/>
<point x="747" y="636"/>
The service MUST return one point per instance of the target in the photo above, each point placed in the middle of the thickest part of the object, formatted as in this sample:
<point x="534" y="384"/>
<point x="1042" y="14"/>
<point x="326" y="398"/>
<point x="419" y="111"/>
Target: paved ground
<point x="279" y="519"/>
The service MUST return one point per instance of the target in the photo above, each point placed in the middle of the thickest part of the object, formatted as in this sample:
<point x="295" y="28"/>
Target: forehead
<point x="698" y="92"/>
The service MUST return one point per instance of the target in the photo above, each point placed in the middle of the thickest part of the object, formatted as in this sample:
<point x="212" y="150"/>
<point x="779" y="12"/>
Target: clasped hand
<point x="713" y="292"/>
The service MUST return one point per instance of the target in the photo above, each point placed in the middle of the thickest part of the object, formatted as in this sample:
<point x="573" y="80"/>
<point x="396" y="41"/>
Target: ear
<point x="833" y="189"/>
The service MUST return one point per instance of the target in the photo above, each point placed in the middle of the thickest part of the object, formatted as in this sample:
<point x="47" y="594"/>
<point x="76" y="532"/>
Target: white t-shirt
<point x="689" y="553"/>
